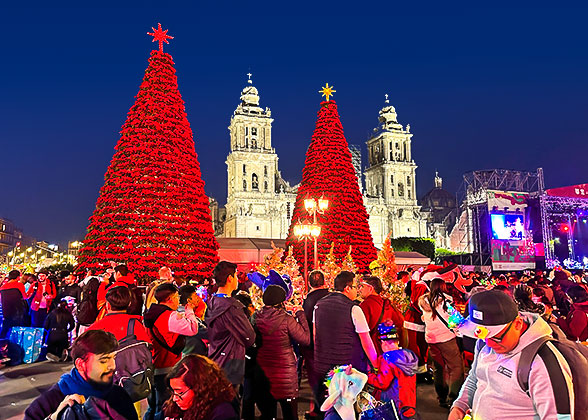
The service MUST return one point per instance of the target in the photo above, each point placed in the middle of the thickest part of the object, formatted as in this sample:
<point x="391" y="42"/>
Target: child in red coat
<point x="395" y="372"/>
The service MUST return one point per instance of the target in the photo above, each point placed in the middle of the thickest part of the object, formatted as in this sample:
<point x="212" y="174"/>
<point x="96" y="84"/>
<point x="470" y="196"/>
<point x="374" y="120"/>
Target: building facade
<point x="390" y="190"/>
<point x="259" y="202"/>
<point x="439" y="209"/>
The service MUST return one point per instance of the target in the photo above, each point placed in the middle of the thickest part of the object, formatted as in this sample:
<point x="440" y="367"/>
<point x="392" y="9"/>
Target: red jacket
<point x="49" y="289"/>
<point x="15" y="284"/>
<point x="575" y="325"/>
<point x="396" y="380"/>
<point x="413" y="315"/>
<point x="160" y="321"/>
<point x="372" y="308"/>
<point x="117" y="324"/>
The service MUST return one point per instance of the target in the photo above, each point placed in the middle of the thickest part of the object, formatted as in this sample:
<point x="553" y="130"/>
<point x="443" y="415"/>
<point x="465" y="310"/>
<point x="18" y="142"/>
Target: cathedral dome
<point x="438" y="198"/>
<point x="250" y="95"/>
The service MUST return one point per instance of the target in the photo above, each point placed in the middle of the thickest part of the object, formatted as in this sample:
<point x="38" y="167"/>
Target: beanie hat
<point x="273" y="295"/>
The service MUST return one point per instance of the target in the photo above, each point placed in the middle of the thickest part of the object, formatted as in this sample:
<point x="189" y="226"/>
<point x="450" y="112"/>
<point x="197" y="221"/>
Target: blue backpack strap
<point x="526" y="360"/>
<point x="131" y="327"/>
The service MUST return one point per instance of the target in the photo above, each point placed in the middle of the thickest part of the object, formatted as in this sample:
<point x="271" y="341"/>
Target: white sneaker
<point x="52" y="357"/>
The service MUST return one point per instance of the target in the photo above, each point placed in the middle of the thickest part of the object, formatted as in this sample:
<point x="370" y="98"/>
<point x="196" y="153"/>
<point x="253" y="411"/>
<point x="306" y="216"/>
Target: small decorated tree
<point x="330" y="267"/>
<point x="348" y="263"/>
<point x="292" y="269"/>
<point x="385" y="268"/>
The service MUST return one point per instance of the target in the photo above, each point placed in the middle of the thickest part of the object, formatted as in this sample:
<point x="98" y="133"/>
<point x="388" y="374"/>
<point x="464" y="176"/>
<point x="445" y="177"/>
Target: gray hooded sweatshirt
<point x="492" y="391"/>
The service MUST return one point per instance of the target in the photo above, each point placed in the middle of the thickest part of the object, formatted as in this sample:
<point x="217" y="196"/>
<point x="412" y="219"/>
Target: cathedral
<point x="260" y="202"/>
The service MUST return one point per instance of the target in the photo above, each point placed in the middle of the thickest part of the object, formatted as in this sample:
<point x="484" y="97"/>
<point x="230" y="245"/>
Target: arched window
<point x="254" y="182"/>
<point x="392" y="192"/>
<point x="244" y="169"/>
<point x="408" y="181"/>
<point x="265" y="186"/>
<point x="377" y="190"/>
<point x="400" y="189"/>
<point x="244" y="185"/>
<point x="265" y="170"/>
<point x="392" y="179"/>
<point x="408" y="192"/>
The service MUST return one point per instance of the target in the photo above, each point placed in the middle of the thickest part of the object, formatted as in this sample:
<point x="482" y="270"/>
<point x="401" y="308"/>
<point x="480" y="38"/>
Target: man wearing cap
<point x="491" y="390"/>
<point x="42" y="292"/>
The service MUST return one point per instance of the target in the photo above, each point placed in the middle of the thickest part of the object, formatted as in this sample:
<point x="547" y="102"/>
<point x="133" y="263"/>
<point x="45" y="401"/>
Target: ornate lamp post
<point x="304" y="231"/>
<point x="314" y="206"/>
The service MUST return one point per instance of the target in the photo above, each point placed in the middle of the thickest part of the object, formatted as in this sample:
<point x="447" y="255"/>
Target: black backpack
<point x="576" y="354"/>
<point x="136" y="306"/>
<point x="134" y="365"/>
<point x="88" y="308"/>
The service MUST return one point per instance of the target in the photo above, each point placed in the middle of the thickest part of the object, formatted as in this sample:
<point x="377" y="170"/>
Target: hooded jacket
<point x="229" y="334"/>
<point x="492" y="391"/>
<point x="168" y="327"/>
<point x="436" y="331"/>
<point x="395" y="375"/>
<point x="276" y="356"/>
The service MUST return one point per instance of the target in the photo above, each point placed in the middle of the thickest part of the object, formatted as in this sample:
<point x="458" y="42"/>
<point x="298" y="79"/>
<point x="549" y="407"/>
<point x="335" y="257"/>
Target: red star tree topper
<point x="160" y="36"/>
<point x="328" y="171"/>
<point x="152" y="210"/>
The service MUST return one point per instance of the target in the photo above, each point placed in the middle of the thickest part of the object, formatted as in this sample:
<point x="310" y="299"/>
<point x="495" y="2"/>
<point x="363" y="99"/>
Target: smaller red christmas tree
<point x="385" y="268"/>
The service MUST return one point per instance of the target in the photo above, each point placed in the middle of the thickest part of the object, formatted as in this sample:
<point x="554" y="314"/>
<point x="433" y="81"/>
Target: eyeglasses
<point x="180" y="395"/>
<point x="498" y="339"/>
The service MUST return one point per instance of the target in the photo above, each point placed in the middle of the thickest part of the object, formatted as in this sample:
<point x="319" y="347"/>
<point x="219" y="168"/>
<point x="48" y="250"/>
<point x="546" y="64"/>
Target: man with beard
<point x="93" y="354"/>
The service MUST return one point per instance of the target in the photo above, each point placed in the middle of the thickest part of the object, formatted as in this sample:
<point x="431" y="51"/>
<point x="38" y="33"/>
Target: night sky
<point x="481" y="89"/>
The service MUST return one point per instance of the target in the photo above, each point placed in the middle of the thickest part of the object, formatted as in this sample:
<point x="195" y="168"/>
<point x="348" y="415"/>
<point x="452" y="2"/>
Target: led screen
<point x="508" y="226"/>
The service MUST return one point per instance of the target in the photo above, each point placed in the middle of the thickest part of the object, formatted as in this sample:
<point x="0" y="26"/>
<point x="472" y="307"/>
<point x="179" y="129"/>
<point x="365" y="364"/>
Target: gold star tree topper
<point x="327" y="91"/>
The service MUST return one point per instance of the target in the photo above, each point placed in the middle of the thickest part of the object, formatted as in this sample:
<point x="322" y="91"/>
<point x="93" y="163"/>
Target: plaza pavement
<point x="19" y="385"/>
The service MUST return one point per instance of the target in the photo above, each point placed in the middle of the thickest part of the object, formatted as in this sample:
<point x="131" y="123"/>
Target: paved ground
<point x="19" y="385"/>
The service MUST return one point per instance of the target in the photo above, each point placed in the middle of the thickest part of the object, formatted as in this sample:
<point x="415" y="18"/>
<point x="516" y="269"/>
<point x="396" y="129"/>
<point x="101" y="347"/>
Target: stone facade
<point x="390" y="190"/>
<point x="259" y="202"/>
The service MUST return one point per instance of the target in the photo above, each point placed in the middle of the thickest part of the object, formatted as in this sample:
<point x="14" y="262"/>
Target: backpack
<point x="576" y="354"/>
<point x="134" y="365"/>
<point x="136" y="306"/>
<point x="93" y="409"/>
<point x="87" y="310"/>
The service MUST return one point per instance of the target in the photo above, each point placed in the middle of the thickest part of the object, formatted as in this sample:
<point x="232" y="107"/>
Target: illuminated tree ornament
<point x="327" y="91"/>
<point x="160" y="35"/>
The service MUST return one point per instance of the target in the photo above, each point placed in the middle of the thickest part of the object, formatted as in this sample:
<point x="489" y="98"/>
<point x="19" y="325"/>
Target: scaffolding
<point x="475" y="238"/>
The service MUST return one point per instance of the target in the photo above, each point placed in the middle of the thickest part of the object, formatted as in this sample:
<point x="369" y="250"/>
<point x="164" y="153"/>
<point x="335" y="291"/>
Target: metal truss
<point x="473" y="199"/>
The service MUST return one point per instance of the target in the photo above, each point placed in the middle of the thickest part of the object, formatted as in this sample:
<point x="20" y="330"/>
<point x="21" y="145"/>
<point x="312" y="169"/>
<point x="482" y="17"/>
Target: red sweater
<point x="117" y="324"/>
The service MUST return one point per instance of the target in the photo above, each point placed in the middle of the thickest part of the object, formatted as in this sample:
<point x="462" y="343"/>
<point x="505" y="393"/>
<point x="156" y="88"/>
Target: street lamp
<point x="314" y="206"/>
<point x="304" y="231"/>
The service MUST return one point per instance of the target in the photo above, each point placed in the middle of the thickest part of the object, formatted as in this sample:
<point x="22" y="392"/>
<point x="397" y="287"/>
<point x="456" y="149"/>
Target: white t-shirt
<point x="358" y="318"/>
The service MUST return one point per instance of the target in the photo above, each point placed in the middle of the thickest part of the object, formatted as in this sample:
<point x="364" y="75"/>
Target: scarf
<point x="73" y="383"/>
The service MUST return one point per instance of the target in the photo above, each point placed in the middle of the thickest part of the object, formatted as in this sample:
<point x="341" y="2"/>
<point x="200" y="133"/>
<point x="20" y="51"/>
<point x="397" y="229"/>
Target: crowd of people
<point x="509" y="346"/>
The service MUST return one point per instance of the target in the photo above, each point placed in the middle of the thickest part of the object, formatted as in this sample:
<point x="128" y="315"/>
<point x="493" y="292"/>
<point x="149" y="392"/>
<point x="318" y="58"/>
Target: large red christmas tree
<point x="328" y="172"/>
<point x="152" y="210"/>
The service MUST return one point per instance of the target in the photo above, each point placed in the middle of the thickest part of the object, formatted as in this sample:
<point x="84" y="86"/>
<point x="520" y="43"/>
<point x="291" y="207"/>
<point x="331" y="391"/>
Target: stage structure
<point x="495" y="226"/>
<point x="564" y="217"/>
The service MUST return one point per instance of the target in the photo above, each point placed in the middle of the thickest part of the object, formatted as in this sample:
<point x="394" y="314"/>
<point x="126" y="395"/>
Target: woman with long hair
<point x="57" y="325"/>
<point x="200" y="391"/>
<point x="443" y="347"/>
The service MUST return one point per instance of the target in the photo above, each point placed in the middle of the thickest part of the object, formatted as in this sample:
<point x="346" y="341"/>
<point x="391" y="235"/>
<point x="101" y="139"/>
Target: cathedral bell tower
<point x="252" y="169"/>
<point x="390" y="179"/>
